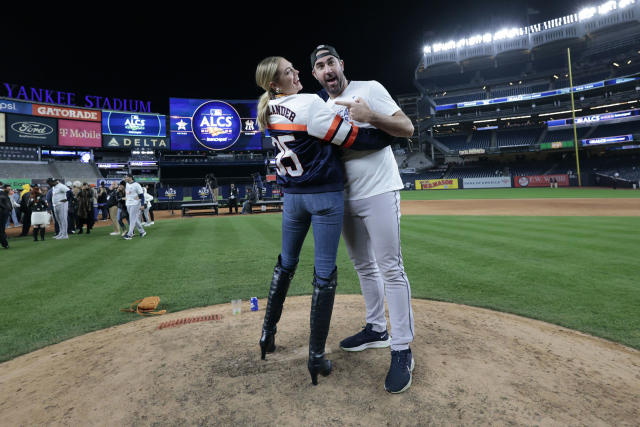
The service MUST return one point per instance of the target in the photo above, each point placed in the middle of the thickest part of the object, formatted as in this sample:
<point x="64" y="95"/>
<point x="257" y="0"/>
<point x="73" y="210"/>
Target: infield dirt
<point x="473" y="366"/>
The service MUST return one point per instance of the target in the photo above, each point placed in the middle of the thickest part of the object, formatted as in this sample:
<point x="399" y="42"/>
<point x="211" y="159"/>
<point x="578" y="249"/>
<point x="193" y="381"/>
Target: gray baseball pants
<point x="371" y="231"/>
<point x="134" y="219"/>
<point x="62" y="215"/>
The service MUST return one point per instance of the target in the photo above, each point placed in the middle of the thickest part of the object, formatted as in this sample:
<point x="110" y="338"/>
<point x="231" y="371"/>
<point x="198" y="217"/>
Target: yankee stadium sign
<point x="34" y="94"/>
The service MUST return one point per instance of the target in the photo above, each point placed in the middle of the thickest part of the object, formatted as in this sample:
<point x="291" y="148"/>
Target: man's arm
<point x="397" y="125"/>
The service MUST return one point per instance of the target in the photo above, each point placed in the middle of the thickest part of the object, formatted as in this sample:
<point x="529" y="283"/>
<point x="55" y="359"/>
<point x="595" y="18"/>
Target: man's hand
<point x="396" y="125"/>
<point x="358" y="110"/>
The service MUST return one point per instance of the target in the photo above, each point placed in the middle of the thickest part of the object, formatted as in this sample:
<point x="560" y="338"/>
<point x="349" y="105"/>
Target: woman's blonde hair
<point x="266" y="73"/>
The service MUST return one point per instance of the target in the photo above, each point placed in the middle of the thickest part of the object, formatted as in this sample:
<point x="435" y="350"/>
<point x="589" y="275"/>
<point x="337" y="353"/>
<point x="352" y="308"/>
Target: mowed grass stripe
<point x="520" y="193"/>
<point x="576" y="272"/>
<point x="569" y="283"/>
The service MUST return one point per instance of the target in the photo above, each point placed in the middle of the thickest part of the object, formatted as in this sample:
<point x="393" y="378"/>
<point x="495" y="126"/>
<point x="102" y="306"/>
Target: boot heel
<point x="267" y="343"/>
<point x="318" y="366"/>
<point x="314" y="376"/>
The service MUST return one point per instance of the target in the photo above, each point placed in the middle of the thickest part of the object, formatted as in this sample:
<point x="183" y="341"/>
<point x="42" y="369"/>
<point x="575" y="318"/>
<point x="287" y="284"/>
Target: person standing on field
<point x="135" y="206"/>
<point x="60" y="206"/>
<point x="371" y="227"/>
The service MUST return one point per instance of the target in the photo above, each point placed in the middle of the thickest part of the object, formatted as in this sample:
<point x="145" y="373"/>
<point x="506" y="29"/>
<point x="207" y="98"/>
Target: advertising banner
<point x="607" y="140"/>
<point x="127" y="124"/>
<point x="491" y="182"/>
<point x="437" y="184"/>
<point x="3" y="134"/>
<point x="72" y="133"/>
<point x="201" y="194"/>
<point x="540" y="180"/>
<point x="15" y="107"/>
<point x="16" y="183"/>
<point x="128" y="142"/>
<point x="31" y="130"/>
<point x="556" y="145"/>
<point x="170" y="194"/>
<point x="67" y="113"/>
<point x="198" y="124"/>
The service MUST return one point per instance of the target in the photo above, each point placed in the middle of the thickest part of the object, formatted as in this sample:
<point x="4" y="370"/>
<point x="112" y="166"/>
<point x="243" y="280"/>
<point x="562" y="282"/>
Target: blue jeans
<point x="325" y="212"/>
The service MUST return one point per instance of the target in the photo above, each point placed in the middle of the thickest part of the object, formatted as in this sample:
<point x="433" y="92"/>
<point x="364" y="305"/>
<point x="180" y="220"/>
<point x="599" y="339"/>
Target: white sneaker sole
<point x="413" y="365"/>
<point x="374" y="344"/>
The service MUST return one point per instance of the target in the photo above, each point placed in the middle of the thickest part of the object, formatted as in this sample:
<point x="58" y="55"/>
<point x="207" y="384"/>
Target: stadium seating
<point x="418" y="161"/>
<point x="473" y="172"/>
<point x="616" y="129"/>
<point x="509" y="138"/>
<point x="68" y="171"/>
<point x="12" y="153"/>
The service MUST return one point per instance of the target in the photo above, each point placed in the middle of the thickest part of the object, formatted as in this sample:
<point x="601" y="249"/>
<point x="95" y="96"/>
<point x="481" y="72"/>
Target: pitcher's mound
<point x="473" y="367"/>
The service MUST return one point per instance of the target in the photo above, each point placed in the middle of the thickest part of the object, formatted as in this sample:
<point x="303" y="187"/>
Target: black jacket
<point x="5" y="203"/>
<point x="38" y="204"/>
<point x="112" y="198"/>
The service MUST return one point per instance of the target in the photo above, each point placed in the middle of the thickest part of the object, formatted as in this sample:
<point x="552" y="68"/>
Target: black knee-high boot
<point x="320" y="320"/>
<point x="35" y="234"/>
<point x="277" y="293"/>
<point x="42" y="233"/>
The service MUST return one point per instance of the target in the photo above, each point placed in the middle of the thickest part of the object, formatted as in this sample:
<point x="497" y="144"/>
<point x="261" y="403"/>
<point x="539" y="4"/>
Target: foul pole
<point x="573" y="114"/>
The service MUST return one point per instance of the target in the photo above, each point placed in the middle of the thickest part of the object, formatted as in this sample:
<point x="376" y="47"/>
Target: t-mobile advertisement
<point x="72" y="133"/>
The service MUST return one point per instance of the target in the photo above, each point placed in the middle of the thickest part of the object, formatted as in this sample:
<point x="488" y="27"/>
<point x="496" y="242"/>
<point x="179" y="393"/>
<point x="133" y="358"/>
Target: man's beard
<point x="337" y="89"/>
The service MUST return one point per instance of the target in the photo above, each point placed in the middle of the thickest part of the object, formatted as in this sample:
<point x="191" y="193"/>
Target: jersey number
<point x="287" y="153"/>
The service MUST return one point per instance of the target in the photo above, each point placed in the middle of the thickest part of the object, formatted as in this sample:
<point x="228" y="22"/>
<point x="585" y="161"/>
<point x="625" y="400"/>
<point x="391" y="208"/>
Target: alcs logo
<point x="134" y="124"/>
<point x="216" y="125"/>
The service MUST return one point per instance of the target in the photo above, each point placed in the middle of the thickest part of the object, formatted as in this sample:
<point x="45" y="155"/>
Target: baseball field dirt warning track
<point x="473" y="367"/>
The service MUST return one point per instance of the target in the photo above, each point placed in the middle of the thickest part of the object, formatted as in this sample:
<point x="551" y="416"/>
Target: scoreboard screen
<point x="200" y="124"/>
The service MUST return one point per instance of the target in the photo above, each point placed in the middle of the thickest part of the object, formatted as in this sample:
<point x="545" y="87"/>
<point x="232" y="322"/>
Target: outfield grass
<point x="577" y="272"/>
<point x="520" y="193"/>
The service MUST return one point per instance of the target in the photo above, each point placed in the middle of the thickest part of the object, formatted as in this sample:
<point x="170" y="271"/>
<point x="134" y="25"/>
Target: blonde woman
<point x="307" y="135"/>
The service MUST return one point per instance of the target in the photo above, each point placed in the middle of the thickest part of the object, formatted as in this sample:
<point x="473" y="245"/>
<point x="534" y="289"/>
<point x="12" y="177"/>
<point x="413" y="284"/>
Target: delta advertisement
<point x="118" y="141"/>
<point x="437" y="184"/>
<point x="198" y="124"/>
<point x="540" y="180"/>
<point x="491" y="182"/>
<point x="72" y="133"/>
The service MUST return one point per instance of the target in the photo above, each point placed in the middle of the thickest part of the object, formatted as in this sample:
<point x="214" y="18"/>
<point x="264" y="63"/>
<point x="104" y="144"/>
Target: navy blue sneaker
<point x="367" y="338"/>
<point x="399" y="375"/>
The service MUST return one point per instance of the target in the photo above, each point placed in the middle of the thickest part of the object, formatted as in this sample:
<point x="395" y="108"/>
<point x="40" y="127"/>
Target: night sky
<point x="211" y="52"/>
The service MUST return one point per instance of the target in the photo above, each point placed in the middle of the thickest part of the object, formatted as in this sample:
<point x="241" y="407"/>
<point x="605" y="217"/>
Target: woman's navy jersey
<point x="308" y="134"/>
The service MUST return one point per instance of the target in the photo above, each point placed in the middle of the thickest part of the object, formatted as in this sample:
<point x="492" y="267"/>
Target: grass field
<point x="578" y="272"/>
<point x="521" y="193"/>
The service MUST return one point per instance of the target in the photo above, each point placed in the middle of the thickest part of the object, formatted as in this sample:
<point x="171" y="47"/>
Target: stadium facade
<point x="499" y="104"/>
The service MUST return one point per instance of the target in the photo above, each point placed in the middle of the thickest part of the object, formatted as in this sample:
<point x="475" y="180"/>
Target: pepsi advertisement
<point x="133" y="124"/>
<point x="201" y="125"/>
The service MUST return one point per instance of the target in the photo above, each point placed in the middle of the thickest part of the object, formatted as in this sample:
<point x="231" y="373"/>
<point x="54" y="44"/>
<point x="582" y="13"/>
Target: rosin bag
<point x="145" y="306"/>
